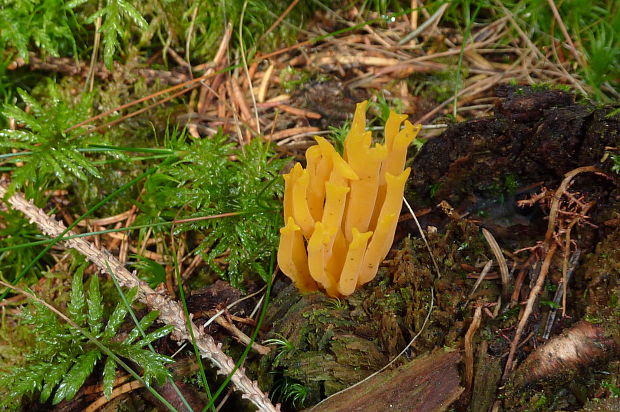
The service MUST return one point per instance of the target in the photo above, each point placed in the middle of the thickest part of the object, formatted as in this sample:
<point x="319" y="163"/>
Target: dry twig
<point x="469" y="348"/>
<point x="170" y="312"/>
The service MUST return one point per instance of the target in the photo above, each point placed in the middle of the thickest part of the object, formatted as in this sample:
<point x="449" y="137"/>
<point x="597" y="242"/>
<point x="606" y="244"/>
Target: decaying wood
<point x="429" y="383"/>
<point x="578" y="347"/>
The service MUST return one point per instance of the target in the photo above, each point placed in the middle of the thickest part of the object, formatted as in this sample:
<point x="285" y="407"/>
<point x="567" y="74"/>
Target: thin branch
<point x="170" y="311"/>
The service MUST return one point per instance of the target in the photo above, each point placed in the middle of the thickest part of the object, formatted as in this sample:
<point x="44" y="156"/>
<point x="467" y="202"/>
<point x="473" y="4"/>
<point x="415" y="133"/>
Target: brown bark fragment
<point x="429" y="383"/>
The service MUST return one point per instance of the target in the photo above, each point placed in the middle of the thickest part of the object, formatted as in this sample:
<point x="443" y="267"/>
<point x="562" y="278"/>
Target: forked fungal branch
<point x="341" y="212"/>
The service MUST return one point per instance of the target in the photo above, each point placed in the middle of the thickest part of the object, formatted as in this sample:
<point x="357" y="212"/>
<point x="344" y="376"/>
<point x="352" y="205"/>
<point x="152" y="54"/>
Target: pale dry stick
<point x="217" y="61"/>
<point x="414" y="15"/>
<point x="560" y="293"/>
<point x="170" y="312"/>
<point x="475" y="107"/>
<point x="257" y="306"/>
<point x="245" y="339"/>
<point x="501" y="261"/>
<point x="145" y="241"/>
<point x="245" y="67"/>
<point x="567" y="37"/>
<point x="357" y="60"/>
<point x="292" y="132"/>
<point x="231" y="96"/>
<point x="433" y="28"/>
<point x="264" y="84"/>
<point x="104" y="221"/>
<point x="299" y="112"/>
<point x="422" y="7"/>
<point x="483" y="274"/>
<point x="233" y="304"/>
<point x="381" y="40"/>
<point x="230" y="106"/>
<point x="90" y="78"/>
<point x="119" y="390"/>
<point x="175" y="56"/>
<point x="246" y="115"/>
<point x="429" y="22"/>
<point x="390" y="363"/>
<point x="191" y="267"/>
<point x="224" y="400"/>
<point x="96" y="389"/>
<point x="190" y="32"/>
<point x="122" y="255"/>
<point x="555" y="203"/>
<point x="428" y="247"/>
<point x="354" y="47"/>
<point x="469" y="348"/>
<point x="295" y="138"/>
<point x="528" y="307"/>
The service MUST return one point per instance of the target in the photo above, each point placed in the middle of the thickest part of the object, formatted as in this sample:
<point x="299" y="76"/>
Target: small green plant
<point x="383" y="107"/>
<point x="46" y="149"/>
<point x="149" y="270"/>
<point x="614" y="390"/>
<point x="338" y="134"/>
<point x="551" y="304"/>
<point x="114" y="16"/>
<point x="211" y="178"/>
<point x="338" y="304"/>
<point x="288" y="390"/>
<point x="283" y="346"/>
<point x="63" y="357"/>
<point x="434" y="188"/>
<point x="48" y="24"/>
<point x="616" y="166"/>
<point x="292" y="78"/>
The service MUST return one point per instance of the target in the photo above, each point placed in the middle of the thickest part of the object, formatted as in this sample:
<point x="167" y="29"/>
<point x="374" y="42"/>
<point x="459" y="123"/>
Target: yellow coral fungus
<point x="292" y="257"/>
<point x="341" y="211"/>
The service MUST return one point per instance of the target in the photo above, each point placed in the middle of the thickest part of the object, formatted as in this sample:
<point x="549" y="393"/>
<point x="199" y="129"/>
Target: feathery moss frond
<point x="63" y="358"/>
<point x="46" y="150"/>
<point x="213" y="177"/>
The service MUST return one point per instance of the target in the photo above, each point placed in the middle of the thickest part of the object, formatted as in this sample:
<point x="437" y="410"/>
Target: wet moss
<point x="339" y="342"/>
